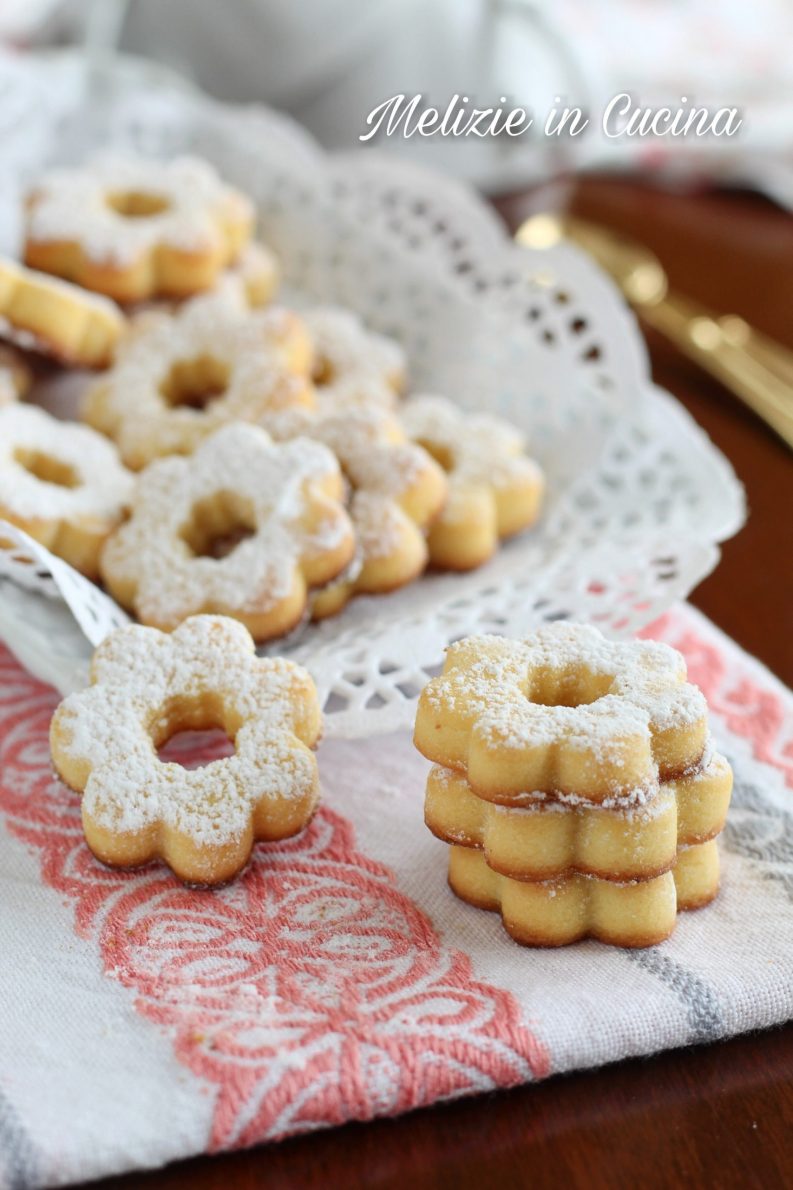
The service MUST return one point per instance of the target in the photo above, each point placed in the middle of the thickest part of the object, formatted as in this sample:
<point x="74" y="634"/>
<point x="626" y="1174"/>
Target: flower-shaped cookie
<point x="395" y="491"/>
<point x="250" y="282"/>
<point x="148" y="686"/>
<point x="179" y="377"/>
<point x="62" y="483"/>
<point x="243" y="527"/>
<point x="352" y="366"/>
<point x="564" y="711"/>
<point x="135" y="229"/>
<point x="258" y="274"/>
<point x="548" y="838"/>
<point x="56" y="318"/>
<point x="495" y="489"/>
<point x="558" y="912"/>
<point x="15" y="375"/>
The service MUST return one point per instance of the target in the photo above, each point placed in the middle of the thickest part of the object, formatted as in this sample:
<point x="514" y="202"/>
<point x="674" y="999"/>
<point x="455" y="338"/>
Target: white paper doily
<point x="638" y="498"/>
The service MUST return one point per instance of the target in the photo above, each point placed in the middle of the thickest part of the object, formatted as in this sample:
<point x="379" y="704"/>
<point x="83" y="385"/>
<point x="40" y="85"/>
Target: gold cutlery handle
<point x="699" y="335"/>
<point x="766" y="351"/>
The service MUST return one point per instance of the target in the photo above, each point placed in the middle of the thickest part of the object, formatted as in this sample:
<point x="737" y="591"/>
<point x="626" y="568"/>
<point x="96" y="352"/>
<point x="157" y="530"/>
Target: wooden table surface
<point x="719" y="1116"/>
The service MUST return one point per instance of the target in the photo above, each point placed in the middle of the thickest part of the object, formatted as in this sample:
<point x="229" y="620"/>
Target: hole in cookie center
<point x="196" y="382"/>
<point x="569" y="688"/>
<point x="46" y="468"/>
<point x="322" y="371"/>
<point x="137" y="204"/>
<point x="218" y="525"/>
<point x="442" y="455"/>
<point x="192" y="733"/>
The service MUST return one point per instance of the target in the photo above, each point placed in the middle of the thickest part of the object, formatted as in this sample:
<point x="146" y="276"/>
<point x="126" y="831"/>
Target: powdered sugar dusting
<point x="276" y="488"/>
<point x="367" y="443"/>
<point x="353" y="366"/>
<point x="379" y="525"/>
<point x="567" y="686"/>
<point x="103" y="487"/>
<point x="481" y="449"/>
<point x="250" y="347"/>
<point x="138" y="674"/>
<point x="381" y="469"/>
<point x="73" y="205"/>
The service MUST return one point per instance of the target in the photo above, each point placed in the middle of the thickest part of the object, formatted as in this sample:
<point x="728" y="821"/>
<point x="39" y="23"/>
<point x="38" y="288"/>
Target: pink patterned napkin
<point x="339" y="978"/>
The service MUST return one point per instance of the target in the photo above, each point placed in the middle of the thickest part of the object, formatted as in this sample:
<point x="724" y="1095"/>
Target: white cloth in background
<point x="329" y="62"/>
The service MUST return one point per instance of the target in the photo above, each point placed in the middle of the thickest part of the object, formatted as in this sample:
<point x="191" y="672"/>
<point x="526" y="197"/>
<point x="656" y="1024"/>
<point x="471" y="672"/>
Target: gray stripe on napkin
<point x="760" y="830"/>
<point x="705" y="1017"/>
<point x="18" y="1164"/>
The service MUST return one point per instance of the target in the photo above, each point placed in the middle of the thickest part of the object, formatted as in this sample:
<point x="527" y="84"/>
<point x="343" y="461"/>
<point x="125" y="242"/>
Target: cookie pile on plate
<point x="240" y="467"/>
<point x="235" y="457"/>
<point x="575" y="783"/>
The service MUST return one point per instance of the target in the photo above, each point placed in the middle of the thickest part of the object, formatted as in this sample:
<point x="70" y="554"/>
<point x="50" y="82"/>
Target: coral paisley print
<point x="749" y="709"/>
<point x="310" y="992"/>
<point x="313" y="990"/>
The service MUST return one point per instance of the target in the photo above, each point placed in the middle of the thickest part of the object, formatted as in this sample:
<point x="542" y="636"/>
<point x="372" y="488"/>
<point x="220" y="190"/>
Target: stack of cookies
<point x="575" y="782"/>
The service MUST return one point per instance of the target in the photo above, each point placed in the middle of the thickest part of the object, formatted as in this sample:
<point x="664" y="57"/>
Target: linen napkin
<point x="339" y="978"/>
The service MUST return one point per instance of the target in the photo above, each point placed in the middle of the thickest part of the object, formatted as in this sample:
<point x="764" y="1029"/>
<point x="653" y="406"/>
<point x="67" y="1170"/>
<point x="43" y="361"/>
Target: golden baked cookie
<point x="258" y="270"/>
<point x="179" y="377"/>
<point x="145" y="688"/>
<point x="236" y="293"/>
<point x="45" y="314"/>
<point x="697" y="875"/>
<point x="564" y="711"/>
<point x="62" y="483"/>
<point x="250" y="283"/>
<point x="135" y="229"/>
<point x="395" y="489"/>
<point x="244" y="527"/>
<point x="547" y="838"/>
<point x="352" y="366"/>
<point x="284" y="330"/>
<point x="495" y="489"/>
<point x="564" y="910"/>
<point x="15" y="374"/>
